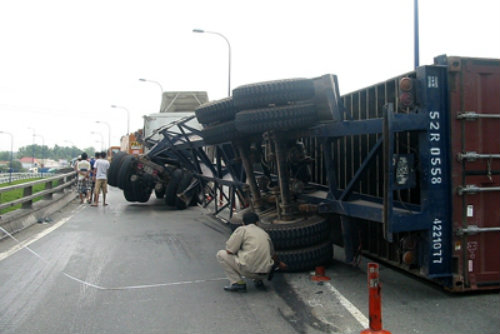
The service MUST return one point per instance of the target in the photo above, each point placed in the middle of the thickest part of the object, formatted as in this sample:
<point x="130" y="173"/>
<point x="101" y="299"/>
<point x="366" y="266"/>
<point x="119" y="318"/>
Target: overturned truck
<point x="406" y="171"/>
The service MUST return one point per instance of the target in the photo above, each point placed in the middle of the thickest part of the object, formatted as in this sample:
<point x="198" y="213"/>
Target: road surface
<point x="144" y="268"/>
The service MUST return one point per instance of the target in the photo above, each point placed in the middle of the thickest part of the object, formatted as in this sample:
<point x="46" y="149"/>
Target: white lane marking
<point x="355" y="312"/>
<point x="24" y="244"/>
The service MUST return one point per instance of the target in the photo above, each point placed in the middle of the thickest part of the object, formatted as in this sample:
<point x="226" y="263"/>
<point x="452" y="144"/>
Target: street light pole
<point x="201" y="31"/>
<point x="128" y="116"/>
<point x="43" y="153"/>
<point x="159" y="85"/>
<point x="11" y="150"/>
<point x="109" y="131"/>
<point x="33" y="149"/>
<point x="416" y="34"/>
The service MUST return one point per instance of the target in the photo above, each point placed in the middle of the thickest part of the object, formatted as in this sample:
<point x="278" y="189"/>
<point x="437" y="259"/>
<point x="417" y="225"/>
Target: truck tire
<point x="307" y="258"/>
<point x="160" y="193"/>
<point x="129" y="195"/>
<point x="142" y="193"/>
<point x="142" y="188"/>
<point x="216" y="111"/>
<point x="171" y="190"/>
<point x="126" y="171"/>
<point x="278" y="92"/>
<point x="297" y="235"/>
<point x="276" y="118"/>
<point x="220" y="133"/>
<point x="114" y="168"/>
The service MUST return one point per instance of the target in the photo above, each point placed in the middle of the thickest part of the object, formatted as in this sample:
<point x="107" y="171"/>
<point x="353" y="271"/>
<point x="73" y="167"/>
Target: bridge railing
<point x="53" y="185"/>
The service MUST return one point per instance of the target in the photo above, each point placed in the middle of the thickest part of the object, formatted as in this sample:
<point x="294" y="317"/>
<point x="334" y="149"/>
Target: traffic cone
<point x="375" y="301"/>
<point x="319" y="274"/>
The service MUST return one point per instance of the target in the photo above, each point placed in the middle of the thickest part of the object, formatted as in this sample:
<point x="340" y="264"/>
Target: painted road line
<point x="355" y="312"/>
<point x="24" y="244"/>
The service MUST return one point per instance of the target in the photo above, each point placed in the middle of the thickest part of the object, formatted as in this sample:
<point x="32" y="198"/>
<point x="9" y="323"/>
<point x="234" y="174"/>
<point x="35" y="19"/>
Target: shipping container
<point x="413" y="172"/>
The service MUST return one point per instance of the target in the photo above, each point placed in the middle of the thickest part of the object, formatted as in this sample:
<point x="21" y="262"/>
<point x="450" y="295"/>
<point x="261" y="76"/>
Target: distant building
<point x="29" y="162"/>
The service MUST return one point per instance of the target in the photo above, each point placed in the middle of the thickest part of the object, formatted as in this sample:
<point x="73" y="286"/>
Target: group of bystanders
<point x="92" y="178"/>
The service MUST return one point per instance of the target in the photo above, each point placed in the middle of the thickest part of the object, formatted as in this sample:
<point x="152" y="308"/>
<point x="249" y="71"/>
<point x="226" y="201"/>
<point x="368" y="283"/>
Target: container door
<point x="475" y="126"/>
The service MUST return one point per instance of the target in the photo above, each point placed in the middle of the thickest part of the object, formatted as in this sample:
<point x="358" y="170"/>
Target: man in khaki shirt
<point x="249" y="252"/>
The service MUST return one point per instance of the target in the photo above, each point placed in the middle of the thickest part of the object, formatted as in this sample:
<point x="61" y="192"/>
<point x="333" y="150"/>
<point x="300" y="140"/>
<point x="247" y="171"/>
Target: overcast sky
<point x="63" y="63"/>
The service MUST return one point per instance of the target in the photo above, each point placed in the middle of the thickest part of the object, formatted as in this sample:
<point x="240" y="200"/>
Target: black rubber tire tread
<point x="125" y="172"/>
<point x="297" y="235"/>
<point x="307" y="258"/>
<point x="114" y="168"/>
<point x="129" y="195"/>
<point x="142" y="191"/>
<point x="276" y="118"/>
<point x="160" y="193"/>
<point x="171" y="190"/>
<point x="277" y="92"/>
<point x="216" y="111"/>
<point x="143" y="187"/>
<point x="220" y="133"/>
<point x="183" y="184"/>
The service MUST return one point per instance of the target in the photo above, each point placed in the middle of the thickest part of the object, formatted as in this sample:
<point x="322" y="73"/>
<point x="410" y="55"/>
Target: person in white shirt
<point x="83" y="170"/>
<point x="101" y="178"/>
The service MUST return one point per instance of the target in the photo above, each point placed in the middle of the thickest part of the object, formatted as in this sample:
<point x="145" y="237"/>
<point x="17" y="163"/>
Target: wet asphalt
<point x="145" y="268"/>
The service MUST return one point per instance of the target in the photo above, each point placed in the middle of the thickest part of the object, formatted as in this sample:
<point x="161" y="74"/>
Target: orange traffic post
<point x="375" y="301"/>
<point x="319" y="274"/>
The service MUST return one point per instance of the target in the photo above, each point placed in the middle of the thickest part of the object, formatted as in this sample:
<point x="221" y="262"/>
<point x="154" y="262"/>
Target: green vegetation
<point x="45" y="152"/>
<point x="18" y="193"/>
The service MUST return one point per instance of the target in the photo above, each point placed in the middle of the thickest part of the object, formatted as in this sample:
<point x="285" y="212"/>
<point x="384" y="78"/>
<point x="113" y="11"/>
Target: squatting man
<point x="249" y="253"/>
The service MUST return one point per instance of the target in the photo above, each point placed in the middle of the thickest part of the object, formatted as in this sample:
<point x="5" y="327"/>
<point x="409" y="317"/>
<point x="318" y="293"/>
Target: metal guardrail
<point x="5" y="177"/>
<point x="63" y="181"/>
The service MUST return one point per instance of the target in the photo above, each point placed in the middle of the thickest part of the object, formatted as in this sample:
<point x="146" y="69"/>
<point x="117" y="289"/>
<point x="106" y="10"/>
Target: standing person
<point x="83" y="170"/>
<point x="249" y="252"/>
<point x="92" y="175"/>
<point x="101" y="178"/>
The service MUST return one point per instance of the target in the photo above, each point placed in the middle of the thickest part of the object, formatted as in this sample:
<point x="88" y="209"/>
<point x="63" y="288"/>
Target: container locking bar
<point x="472" y="156"/>
<point x="474" y="229"/>
<point x="473" y="189"/>
<point x="472" y="116"/>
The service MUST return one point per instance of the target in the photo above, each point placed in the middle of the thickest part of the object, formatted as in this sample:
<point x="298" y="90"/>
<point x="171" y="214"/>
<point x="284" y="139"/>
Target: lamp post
<point x="11" y="150"/>
<point x="33" y="149"/>
<point x="159" y="85"/>
<point x="201" y="31"/>
<point x="128" y="116"/>
<point x="102" y="138"/>
<point x="109" y="131"/>
<point x="43" y="153"/>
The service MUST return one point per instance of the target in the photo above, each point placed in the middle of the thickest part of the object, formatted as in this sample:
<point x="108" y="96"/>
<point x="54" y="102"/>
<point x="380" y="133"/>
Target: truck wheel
<point x="303" y="233"/>
<point x="142" y="193"/>
<point x="171" y="190"/>
<point x="126" y="171"/>
<point x="160" y="193"/>
<point x="278" y="92"/>
<point x="142" y="188"/>
<point x="220" y="133"/>
<point x="216" y="111"/>
<point x="276" y="118"/>
<point x="129" y="195"/>
<point x="307" y="258"/>
<point x="114" y="168"/>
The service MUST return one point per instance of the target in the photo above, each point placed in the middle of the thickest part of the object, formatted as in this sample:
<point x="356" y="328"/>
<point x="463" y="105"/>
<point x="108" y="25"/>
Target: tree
<point x="5" y="155"/>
